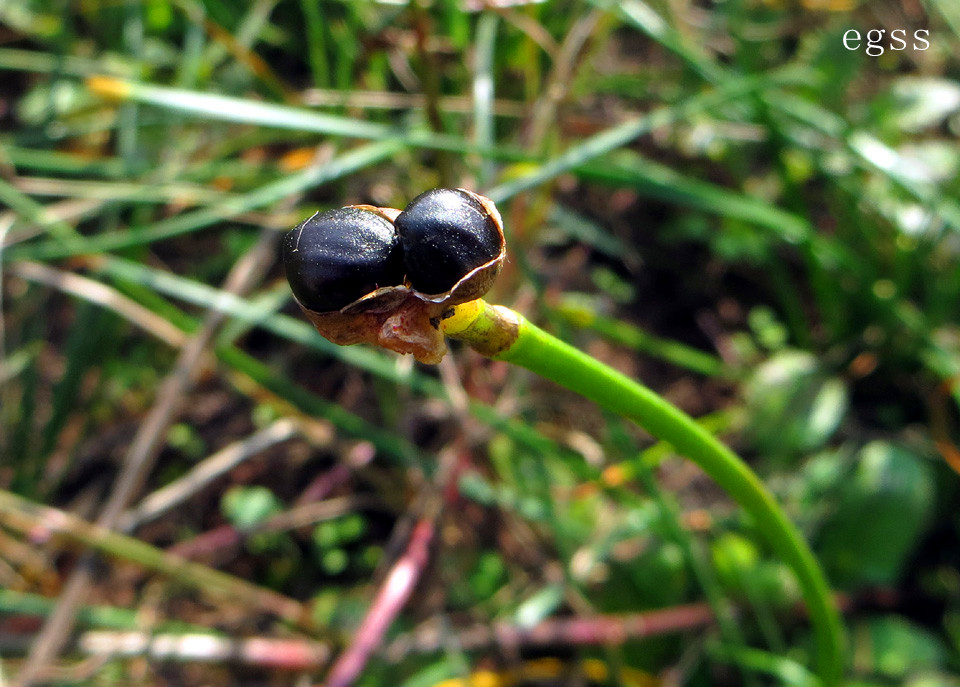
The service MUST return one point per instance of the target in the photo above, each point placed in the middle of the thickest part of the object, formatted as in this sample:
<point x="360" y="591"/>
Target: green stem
<point x="504" y="335"/>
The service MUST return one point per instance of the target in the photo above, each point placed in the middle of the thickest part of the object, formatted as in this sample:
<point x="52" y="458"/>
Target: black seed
<point x="445" y="234"/>
<point x="336" y="257"/>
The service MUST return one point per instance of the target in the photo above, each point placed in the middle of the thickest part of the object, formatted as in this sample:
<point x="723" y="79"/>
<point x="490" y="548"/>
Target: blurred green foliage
<point x="752" y="219"/>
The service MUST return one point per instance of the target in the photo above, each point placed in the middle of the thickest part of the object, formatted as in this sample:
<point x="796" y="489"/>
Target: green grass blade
<point x="237" y="110"/>
<point x="645" y="18"/>
<point x="316" y="32"/>
<point x="483" y="84"/>
<point x="47" y="63"/>
<point x="576" y="313"/>
<point x="661" y="182"/>
<point x="268" y="194"/>
<point x="107" y="617"/>
<point x="63" y="163"/>
<point x="622" y="134"/>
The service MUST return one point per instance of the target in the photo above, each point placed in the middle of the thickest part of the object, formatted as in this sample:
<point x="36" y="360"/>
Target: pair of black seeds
<point x="336" y="257"/>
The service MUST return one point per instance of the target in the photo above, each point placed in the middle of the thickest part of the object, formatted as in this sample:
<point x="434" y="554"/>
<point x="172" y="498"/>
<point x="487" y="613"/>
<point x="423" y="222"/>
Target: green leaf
<point x="794" y="406"/>
<point x="660" y="575"/>
<point x="442" y="669"/>
<point x="883" y="511"/>
<point x="247" y="507"/>
<point x="540" y="606"/>
<point x="894" y="648"/>
<point x="734" y="556"/>
<point x="488" y="575"/>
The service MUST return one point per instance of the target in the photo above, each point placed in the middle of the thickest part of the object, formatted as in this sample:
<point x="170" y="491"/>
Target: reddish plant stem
<point x="262" y="652"/>
<point x="609" y="630"/>
<point x="606" y="629"/>
<point x="392" y="596"/>
<point x="209" y="542"/>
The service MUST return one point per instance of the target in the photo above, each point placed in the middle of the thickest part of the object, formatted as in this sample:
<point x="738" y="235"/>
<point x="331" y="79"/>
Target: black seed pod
<point x="337" y="257"/>
<point x="446" y="233"/>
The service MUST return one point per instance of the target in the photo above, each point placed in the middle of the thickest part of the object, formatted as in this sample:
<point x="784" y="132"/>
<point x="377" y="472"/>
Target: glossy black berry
<point x="445" y="234"/>
<point x="336" y="257"/>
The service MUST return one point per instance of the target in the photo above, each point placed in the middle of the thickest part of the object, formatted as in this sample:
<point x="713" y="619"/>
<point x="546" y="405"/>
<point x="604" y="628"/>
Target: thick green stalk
<point x="504" y="335"/>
